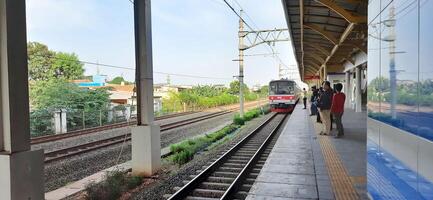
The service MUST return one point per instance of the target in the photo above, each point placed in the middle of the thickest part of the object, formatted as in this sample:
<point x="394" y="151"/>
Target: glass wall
<point x="400" y="95"/>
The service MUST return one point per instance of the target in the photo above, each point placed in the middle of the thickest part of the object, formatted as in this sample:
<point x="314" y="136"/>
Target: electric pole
<point x="241" y="65"/>
<point x="392" y="71"/>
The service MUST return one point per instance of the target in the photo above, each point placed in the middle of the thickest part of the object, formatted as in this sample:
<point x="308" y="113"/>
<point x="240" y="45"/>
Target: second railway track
<point x="91" y="146"/>
<point x="232" y="175"/>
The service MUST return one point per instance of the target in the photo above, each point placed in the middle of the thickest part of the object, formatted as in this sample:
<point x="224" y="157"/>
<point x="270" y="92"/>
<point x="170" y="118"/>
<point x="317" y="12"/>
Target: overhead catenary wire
<point x="272" y="50"/>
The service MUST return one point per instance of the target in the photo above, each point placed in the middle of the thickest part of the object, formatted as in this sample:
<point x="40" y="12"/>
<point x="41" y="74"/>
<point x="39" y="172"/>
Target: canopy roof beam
<point x="322" y="32"/>
<point x="348" y="15"/>
<point x="319" y="48"/>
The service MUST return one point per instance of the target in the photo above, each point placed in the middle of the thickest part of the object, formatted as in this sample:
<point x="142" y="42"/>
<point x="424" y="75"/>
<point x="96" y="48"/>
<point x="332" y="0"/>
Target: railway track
<point x="232" y="175"/>
<point x="70" y="134"/>
<point x="91" y="146"/>
<point x="50" y="138"/>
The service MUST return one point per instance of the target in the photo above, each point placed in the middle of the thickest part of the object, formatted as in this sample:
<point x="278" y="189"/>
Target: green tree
<point x="66" y="65"/>
<point x="45" y="64"/>
<point x="118" y="80"/>
<point x="234" y="88"/>
<point x="56" y="94"/>
<point x="39" y="61"/>
<point x="60" y="94"/>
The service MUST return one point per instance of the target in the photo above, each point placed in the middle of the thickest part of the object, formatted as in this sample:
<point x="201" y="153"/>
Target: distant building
<point x="96" y="81"/>
<point x="163" y="89"/>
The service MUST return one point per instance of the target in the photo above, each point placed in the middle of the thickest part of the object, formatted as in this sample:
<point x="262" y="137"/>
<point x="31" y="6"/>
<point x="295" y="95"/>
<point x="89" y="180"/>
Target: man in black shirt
<point x="324" y="104"/>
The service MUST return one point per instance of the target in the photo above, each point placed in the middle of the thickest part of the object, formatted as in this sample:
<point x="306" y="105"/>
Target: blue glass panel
<point x="426" y="70"/>
<point x="399" y="65"/>
<point x="388" y="178"/>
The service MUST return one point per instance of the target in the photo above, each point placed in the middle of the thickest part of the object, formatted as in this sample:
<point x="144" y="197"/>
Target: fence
<point x="45" y="122"/>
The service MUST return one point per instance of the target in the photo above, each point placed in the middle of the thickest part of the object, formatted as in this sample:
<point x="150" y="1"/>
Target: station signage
<point x="311" y="78"/>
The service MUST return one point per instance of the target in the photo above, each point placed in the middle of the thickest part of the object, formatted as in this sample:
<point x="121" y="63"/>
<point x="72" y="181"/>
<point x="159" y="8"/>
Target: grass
<point x="184" y="151"/>
<point x="114" y="185"/>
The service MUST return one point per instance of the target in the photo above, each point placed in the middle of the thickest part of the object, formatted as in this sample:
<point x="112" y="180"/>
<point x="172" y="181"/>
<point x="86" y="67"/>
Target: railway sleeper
<point x="207" y="193"/>
<point x="199" y="198"/>
<point x="240" y="157"/>
<point x="214" y="186"/>
<point x="225" y="174"/>
<point x="231" y="169"/>
<point x="220" y="179"/>
<point x="241" y="195"/>
<point x="237" y="161"/>
<point x="230" y="164"/>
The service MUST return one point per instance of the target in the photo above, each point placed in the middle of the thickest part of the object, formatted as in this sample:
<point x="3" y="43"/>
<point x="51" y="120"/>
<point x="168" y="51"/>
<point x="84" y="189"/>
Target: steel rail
<point x="91" y="146"/>
<point x="75" y="133"/>
<point x="187" y="189"/>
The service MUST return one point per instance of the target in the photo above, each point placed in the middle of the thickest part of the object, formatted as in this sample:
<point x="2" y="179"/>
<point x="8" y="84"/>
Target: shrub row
<point x="184" y="151"/>
<point x="251" y="114"/>
<point x="114" y="185"/>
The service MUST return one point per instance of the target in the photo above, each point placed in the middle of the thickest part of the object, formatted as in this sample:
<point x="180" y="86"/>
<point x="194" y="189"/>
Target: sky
<point x="191" y="37"/>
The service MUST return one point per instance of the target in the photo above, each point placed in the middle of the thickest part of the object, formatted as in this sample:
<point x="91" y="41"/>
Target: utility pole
<point x="241" y="65"/>
<point x="392" y="71"/>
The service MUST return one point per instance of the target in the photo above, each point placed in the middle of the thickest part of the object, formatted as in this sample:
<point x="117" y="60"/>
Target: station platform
<point x="306" y="165"/>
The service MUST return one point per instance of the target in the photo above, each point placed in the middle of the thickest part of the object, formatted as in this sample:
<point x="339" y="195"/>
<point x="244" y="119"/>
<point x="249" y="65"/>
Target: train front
<point x="282" y="96"/>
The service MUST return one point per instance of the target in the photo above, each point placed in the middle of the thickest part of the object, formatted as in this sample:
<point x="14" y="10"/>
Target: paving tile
<point x="261" y="197"/>
<point x="284" y="190"/>
<point x="291" y="169"/>
<point x="299" y="179"/>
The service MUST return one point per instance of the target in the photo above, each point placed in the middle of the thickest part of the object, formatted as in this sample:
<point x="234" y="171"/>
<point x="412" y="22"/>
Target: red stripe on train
<point x="291" y="97"/>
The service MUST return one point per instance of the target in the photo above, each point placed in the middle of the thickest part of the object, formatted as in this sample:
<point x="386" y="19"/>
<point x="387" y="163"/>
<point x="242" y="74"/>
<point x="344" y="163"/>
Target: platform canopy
<point x="326" y="33"/>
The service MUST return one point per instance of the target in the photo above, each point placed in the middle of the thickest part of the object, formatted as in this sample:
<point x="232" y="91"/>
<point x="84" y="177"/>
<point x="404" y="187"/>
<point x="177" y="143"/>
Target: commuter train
<point x="284" y="94"/>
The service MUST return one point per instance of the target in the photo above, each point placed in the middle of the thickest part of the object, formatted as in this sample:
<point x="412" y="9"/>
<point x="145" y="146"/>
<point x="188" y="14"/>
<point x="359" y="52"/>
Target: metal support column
<point x="21" y="170"/>
<point x="358" y="95"/>
<point x="325" y="73"/>
<point x="146" y="145"/>
<point x="241" y="66"/>
<point x="348" y="90"/>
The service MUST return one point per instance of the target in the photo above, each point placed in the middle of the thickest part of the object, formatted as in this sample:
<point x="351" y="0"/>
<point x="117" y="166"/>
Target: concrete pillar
<point x="60" y="125"/>
<point x="110" y="114"/>
<point x="348" y="90"/>
<point x="20" y="168"/>
<point x="146" y="145"/>
<point x="128" y="113"/>
<point x="358" y="95"/>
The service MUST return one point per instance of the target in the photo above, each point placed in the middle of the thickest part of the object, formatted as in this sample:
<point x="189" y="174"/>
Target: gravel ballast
<point x="58" y="174"/>
<point x="172" y="177"/>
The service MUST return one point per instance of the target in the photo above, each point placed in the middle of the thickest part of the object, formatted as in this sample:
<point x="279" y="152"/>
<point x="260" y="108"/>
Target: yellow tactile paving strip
<point x="342" y="184"/>
<point x="358" y="179"/>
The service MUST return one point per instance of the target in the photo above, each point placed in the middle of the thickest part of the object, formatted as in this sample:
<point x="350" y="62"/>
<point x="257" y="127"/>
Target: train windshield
<point x="281" y="87"/>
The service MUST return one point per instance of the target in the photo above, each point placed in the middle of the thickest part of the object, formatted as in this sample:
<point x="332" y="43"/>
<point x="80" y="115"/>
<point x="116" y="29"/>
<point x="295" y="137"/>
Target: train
<point x="284" y="94"/>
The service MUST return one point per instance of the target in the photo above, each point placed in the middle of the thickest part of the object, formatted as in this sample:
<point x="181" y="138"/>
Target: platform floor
<point x="305" y="165"/>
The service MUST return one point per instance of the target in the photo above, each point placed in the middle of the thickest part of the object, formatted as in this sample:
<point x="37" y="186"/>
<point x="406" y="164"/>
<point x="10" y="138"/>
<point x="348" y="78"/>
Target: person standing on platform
<point x="324" y="105"/>
<point x="304" y="98"/>
<point x="337" y="108"/>
<point x="319" y="94"/>
<point x="313" y="98"/>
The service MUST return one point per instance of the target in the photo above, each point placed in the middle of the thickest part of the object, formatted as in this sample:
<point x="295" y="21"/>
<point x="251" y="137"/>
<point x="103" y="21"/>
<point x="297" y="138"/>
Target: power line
<point x="132" y="69"/>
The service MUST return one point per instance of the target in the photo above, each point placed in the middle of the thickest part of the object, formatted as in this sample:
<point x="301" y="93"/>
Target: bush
<point x="238" y="120"/>
<point x="113" y="186"/>
<point x="249" y="115"/>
